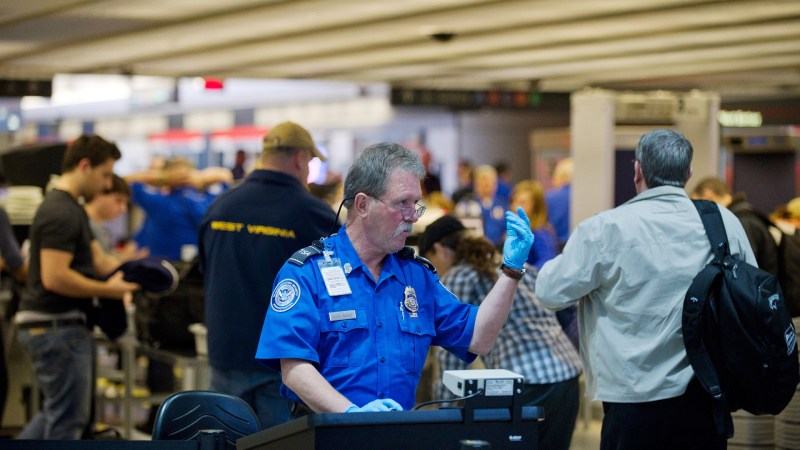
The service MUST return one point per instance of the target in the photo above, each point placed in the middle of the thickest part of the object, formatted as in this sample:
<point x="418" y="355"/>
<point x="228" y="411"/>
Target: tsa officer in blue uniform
<point x="351" y="317"/>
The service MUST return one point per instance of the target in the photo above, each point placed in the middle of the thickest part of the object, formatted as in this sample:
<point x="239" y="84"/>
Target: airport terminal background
<point x="753" y="146"/>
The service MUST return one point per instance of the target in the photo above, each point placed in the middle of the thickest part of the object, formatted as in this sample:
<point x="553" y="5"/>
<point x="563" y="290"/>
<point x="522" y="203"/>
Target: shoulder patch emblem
<point x="285" y="295"/>
<point x="299" y="257"/>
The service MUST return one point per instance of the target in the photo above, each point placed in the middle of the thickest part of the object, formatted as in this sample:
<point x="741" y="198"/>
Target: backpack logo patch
<point x="773" y="301"/>
<point x="791" y="339"/>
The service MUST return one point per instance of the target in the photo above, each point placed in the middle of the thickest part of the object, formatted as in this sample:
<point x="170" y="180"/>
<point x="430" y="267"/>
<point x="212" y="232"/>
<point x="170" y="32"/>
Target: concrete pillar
<point x="595" y="138"/>
<point x="592" y="147"/>
<point x="696" y="118"/>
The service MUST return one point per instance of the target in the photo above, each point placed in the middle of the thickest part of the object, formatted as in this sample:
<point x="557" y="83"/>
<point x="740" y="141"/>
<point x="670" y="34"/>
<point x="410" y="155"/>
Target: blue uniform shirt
<point x="367" y="344"/>
<point x="171" y="220"/>
<point x="558" y="201"/>
<point x="544" y="247"/>
<point x="494" y="219"/>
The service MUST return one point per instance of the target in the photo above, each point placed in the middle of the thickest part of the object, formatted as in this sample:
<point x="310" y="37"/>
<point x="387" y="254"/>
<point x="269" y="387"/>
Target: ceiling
<point x="741" y="49"/>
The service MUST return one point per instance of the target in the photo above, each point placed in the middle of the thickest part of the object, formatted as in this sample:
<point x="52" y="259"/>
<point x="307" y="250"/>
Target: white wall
<point x="487" y="137"/>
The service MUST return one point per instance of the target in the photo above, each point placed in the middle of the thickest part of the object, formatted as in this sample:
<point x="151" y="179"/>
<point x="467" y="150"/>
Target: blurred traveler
<point x="529" y="195"/>
<point x="558" y="199"/>
<point x="329" y="191"/>
<point x="239" y="170"/>
<point x="787" y="234"/>
<point x="11" y="262"/>
<point x="787" y="217"/>
<point x="431" y="183"/>
<point x="107" y="206"/>
<point x="65" y="262"/>
<point x="503" y="179"/>
<point x="628" y="270"/>
<point x="486" y="203"/>
<point x="464" y="174"/>
<point x="172" y="216"/>
<point x="246" y="236"/>
<point x="755" y="224"/>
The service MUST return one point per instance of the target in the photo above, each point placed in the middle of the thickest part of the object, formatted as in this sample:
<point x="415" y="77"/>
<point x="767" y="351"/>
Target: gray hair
<point x="665" y="157"/>
<point x="371" y="170"/>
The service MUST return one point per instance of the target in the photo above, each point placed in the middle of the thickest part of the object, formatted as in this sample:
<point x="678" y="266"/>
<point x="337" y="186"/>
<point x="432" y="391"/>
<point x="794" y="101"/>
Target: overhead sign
<point x="22" y="88"/>
<point x="739" y="118"/>
<point x="468" y="99"/>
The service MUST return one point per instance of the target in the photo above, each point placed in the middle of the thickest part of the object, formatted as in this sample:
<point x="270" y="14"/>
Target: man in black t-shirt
<point x="66" y="263"/>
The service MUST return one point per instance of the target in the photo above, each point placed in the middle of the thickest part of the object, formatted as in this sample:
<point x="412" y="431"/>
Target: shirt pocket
<point x="416" y="334"/>
<point x="343" y="343"/>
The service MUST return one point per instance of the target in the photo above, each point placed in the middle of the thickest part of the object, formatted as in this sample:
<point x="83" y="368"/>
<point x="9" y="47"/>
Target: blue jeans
<point x="260" y="389"/>
<point x="62" y="363"/>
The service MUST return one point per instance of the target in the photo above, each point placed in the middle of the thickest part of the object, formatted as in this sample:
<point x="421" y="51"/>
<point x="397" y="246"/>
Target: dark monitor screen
<point x="32" y="165"/>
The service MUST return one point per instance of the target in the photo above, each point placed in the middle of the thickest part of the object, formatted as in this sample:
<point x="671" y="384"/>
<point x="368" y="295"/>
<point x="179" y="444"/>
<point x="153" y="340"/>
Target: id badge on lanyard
<point x="333" y="276"/>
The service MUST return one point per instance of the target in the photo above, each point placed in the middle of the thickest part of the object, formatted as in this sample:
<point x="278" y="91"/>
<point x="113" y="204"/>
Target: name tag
<point x="342" y="315"/>
<point x="334" y="277"/>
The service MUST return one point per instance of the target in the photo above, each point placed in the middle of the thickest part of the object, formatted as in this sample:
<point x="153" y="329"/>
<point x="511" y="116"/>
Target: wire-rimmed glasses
<point x="407" y="211"/>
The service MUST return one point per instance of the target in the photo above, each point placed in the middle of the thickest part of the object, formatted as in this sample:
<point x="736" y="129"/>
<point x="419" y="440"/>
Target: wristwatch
<point x="513" y="273"/>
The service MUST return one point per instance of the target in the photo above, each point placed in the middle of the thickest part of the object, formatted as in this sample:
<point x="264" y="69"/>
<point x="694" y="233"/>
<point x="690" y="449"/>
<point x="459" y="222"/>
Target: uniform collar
<point x="344" y="250"/>
<point x="271" y="176"/>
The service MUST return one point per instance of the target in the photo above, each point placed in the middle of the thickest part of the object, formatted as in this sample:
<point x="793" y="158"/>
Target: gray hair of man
<point x="371" y="170"/>
<point x="665" y="157"/>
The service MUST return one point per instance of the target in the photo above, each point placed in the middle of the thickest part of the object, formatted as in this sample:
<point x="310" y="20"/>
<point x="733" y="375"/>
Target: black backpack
<point x="738" y="333"/>
<point x="163" y="322"/>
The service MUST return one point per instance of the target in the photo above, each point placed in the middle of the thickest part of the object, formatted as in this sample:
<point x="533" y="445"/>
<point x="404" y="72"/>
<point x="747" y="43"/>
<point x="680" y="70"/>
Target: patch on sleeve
<point x="285" y="295"/>
<point x="299" y="257"/>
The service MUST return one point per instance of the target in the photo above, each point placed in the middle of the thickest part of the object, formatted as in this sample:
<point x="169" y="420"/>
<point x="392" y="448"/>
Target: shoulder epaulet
<point x="299" y="257"/>
<point x="408" y="253"/>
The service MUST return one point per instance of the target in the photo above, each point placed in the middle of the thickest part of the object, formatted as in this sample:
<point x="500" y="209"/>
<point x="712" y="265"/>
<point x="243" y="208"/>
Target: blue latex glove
<point x="519" y="239"/>
<point x="381" y="404"/>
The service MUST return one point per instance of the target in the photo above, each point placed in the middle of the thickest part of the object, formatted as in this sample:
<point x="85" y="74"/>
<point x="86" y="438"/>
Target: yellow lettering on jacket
<point x="226" y="226"/>
<point x="271" y="231"/>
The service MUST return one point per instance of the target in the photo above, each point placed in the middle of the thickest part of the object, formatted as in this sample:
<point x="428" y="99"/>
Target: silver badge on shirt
<point x="410" y="301"/>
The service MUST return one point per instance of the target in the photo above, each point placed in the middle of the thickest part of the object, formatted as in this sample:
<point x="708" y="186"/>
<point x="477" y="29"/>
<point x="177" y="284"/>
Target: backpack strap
<point x="694" y="304"/>
<point x="715" y="228"/>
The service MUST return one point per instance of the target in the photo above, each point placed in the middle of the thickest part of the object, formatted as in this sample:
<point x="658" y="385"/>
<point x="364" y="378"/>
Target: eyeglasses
<point x="407" y="211"/>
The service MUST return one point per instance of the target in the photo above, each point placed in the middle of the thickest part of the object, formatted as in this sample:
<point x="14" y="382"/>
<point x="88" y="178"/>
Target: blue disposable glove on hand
<point x="519" y="239"/>
<point x="381" y="404"/>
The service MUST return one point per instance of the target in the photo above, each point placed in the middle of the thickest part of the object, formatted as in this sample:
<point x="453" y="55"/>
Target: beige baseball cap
<point x="793" y="207"/>
<point x="288" y="135"/>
